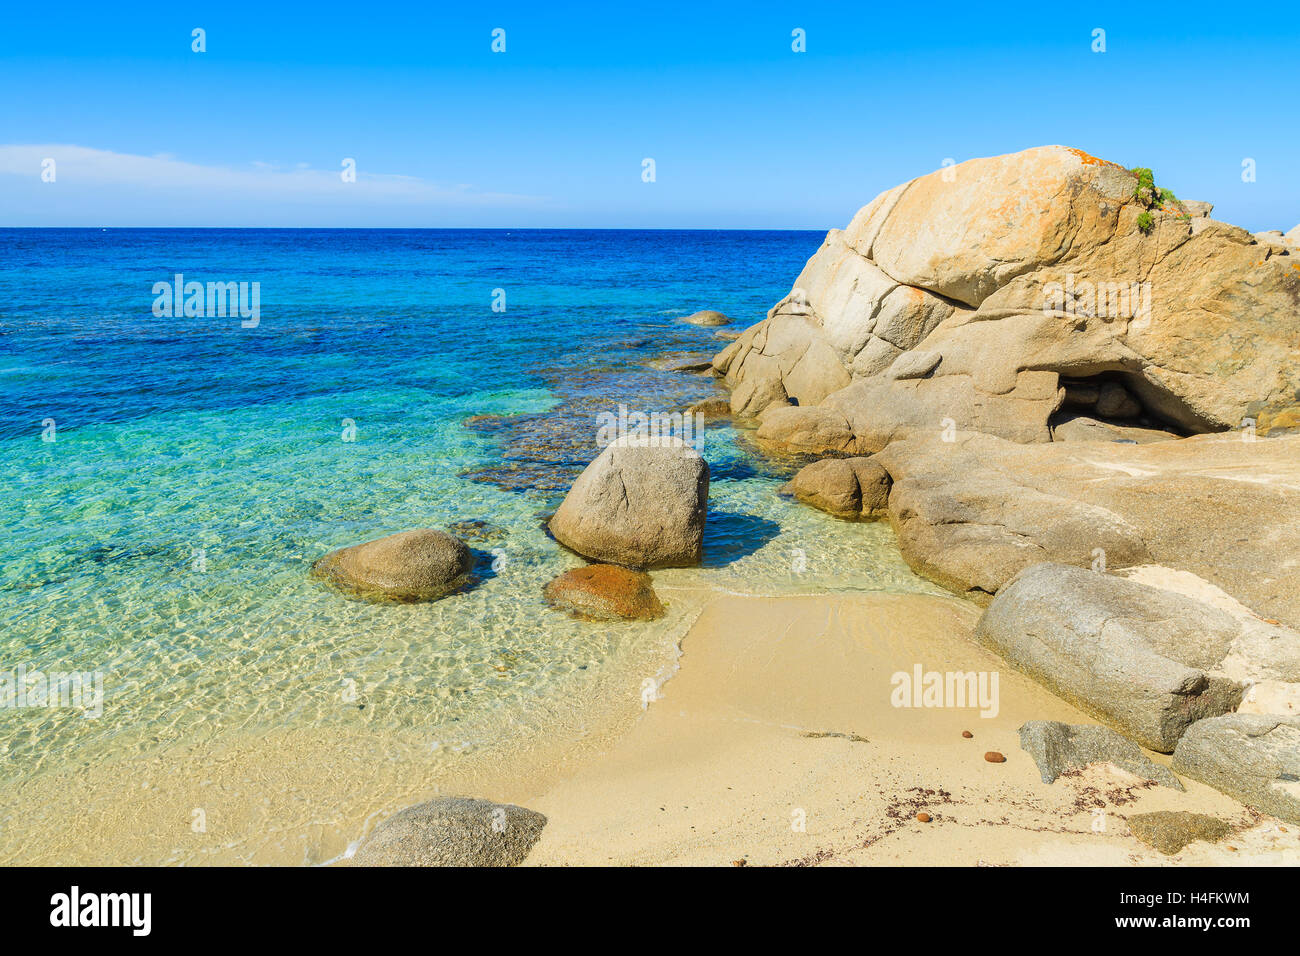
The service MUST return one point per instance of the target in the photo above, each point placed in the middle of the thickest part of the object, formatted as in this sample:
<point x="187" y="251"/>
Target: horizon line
<point x="468" y="228"/>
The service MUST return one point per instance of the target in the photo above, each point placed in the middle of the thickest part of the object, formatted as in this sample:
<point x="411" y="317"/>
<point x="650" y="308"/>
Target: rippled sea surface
<point x="162" y="539"/>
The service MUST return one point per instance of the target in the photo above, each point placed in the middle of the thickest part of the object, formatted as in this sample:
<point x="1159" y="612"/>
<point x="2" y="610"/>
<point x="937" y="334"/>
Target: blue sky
<point x="745" y="133"/>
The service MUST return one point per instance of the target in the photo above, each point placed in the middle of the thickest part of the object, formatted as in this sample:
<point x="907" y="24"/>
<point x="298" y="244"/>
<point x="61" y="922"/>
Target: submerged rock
<point x="682" y="362"/>
<point x="711" y="408"/>
<point x="1136" y="657"/>
<point x="844" y="487"/>
<point x="476" y="529"/>
<point x="1170" y="830"/>
<point x="1057" y="747"/>
<point x="418" y="565"/>
<point x="453" y="831"/>
<point x="641" y="503"/>
<point x="708" y="318"/>
<point x="605" y="592"/>
<point x="1252" y="757"/>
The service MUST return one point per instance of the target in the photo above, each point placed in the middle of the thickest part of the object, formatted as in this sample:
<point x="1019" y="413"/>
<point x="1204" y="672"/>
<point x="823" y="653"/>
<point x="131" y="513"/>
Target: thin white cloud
<point x="164" y="173"/>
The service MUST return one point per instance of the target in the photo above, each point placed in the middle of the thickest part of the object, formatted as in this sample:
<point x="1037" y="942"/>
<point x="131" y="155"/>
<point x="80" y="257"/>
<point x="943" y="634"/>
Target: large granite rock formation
<point x="974" y="297"/>
<point x="973" y="512"/>
<point x="1021" y="345"/>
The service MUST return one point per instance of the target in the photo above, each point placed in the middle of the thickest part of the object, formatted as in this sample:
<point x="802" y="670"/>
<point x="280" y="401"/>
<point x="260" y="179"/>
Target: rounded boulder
<point x="417" y="565"/>
<point x="641" y="504"/>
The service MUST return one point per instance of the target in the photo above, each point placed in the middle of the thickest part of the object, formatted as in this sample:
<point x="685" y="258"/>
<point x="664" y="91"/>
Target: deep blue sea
<point x="166" y="482"/>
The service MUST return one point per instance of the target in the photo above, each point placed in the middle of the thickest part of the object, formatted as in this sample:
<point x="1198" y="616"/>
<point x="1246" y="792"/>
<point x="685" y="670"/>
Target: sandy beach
<point x="781" y="713"/>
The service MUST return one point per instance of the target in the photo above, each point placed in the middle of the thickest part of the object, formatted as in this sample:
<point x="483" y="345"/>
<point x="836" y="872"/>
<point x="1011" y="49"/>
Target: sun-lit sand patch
<point x="778" y="743"/>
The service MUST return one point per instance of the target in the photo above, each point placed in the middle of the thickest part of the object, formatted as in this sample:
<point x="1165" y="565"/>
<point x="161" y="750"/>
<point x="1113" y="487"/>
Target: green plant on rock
<point x="1150" y="197"/>
<point x="1145" y="190"/>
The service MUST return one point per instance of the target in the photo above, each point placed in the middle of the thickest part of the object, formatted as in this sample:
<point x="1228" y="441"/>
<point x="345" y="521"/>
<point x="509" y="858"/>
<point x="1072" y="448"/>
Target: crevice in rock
<point x="1109" y="405"/>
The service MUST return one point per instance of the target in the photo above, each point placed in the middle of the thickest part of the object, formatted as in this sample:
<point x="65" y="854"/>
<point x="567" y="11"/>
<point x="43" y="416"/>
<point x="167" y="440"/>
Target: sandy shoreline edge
<point x="776" y="743"/>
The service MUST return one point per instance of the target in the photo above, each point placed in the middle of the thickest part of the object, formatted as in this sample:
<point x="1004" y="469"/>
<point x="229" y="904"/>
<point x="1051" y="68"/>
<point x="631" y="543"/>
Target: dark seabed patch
<point x="545" y="452"/>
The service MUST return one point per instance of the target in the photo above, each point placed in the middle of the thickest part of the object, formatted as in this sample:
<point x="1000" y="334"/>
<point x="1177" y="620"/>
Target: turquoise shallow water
<point x="163" y="538"/>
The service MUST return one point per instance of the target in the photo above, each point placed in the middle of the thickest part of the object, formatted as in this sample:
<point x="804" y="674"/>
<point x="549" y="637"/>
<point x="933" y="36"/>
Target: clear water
<point x="163" y="538"/>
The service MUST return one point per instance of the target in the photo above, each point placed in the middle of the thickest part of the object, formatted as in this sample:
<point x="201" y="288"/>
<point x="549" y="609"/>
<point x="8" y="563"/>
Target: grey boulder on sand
<point x="1171" y="830"/>
<point x="641" y="504"/>
<point x="453" y="831"/>
<point x="1134" y="656"/>
<point x="1252" y="757"/>
<point x="418" y="565"/>
<point x="1057" y="747"/>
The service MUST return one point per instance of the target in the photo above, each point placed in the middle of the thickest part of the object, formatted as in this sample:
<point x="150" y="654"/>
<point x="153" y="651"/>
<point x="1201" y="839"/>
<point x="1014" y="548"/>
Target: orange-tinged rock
<point x="605" y="592"/>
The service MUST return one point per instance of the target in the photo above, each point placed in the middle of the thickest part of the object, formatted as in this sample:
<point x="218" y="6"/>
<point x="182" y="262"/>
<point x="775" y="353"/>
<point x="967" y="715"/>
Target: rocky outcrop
<point x="967" y="297"/>
<point x="707" y="318"/>
<point x="1138" y="658"/>
<point x="1059" y="747"/>
<point x="605" y="592"/>
<point x="1169" y="831"/>
<point x="1254" y="758"/>
<point x="1023" y="345"/>
<point x="1283" y="243"/>
<point x="973" y="512"/>
<point x="418" y="565"/>
<point x="844" y="487"/>
<point x="641" y="504"/>
<point x="453" y="831"/>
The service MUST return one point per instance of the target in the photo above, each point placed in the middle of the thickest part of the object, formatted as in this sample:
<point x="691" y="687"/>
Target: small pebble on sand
<point x="967" y="734"/>
<point x="994" y="757"/>
<point x="923" y="817"/>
